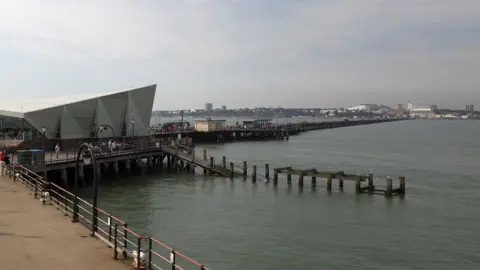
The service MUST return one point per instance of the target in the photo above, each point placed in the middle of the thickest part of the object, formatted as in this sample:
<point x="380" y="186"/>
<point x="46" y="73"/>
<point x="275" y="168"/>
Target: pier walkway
<point x="33" y="236"/>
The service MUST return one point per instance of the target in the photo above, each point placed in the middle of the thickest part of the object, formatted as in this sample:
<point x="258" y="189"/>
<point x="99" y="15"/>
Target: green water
<point x="239" y="225"/>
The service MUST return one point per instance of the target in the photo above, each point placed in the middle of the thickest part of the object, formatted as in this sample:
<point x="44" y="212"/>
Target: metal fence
<point x="126" y="243"/>
<point x="102" y="150"/>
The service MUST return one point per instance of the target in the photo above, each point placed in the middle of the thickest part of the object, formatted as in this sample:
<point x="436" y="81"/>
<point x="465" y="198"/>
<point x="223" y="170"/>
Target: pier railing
<point x="150" y="252"/>
<point x="102" y="150"/>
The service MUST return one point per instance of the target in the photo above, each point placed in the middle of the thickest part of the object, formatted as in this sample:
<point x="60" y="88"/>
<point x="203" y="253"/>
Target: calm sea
<point x="239" y="225"/>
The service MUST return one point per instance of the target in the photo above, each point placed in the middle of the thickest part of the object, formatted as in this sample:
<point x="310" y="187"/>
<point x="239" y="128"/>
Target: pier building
<point x="126" y="113"/>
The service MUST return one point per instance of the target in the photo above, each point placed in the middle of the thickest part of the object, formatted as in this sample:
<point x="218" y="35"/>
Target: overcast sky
<point x="245" y="53"/>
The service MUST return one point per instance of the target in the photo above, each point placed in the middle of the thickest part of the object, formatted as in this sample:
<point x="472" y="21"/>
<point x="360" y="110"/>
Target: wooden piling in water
<point x="245" y="172"/>
<point x="267" y="171"/>
<point x="205" y="171"/>
<point x="232" y="170"/>
<point x="389" y="191"/>
<point x="275" y="177"/>
<point x="300" y="180"/>
<point x="371" y="187"/>
<point x="358" y="185"/>
<point x="224" y="162"/>
<point x="329" y="182"/>
<point x="314" y="181"/>
<point x="289" y="178"/>
<point x="254" y="173"/>
<point x="402" y="185"/>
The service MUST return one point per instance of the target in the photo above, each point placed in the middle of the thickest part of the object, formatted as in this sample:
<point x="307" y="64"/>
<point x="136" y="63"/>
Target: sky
<point x="244" y="53"/>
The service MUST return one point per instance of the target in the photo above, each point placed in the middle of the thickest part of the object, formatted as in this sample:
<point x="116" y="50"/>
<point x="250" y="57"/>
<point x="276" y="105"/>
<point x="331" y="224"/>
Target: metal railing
<point x="126" y="243"/>
<point x="102" y="150"/>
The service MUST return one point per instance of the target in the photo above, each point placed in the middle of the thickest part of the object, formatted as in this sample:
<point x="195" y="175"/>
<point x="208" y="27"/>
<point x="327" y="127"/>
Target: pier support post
<point x="329" y="182"/>
<point x="97" y="169"/>
<point x="64" y="177"/>
<point x="371" y="187"/>
<point x="254" y="174"/>
<point x="232" y="170"/>
<point x="150" y="162"/>
<point x="115" y="167"/>
<point x="212" y="162"/>
<point x="81" y="173"/>
<point x="224" y="162"/>
<point x="245" y="172"/>
<point x="267" y="171"/>
<point x="275" y="177"/>
<point x="289" y="178"/>
<point x="340" y="184"/>
<point x="169" y="163"/>
<point x="402" y="185"/>
<point x="358" y="185"/>
<point x="205" y="154"/>
<point x="300" y="180"/>
<point x="314" y="181"/>
<point x="127" y="166"/>
<point x="389" y="190"/>
<point x="141" y="166"/>
<point x="192" y="164"/>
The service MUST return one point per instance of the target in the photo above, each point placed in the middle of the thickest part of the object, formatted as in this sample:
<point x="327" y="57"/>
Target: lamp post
<point x="133" y="127"/>
<point x="88" y="158"/>
<point x="44" y="130"/>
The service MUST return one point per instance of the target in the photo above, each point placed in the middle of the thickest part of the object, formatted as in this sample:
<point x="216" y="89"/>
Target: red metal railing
<point x="149" y="251"/>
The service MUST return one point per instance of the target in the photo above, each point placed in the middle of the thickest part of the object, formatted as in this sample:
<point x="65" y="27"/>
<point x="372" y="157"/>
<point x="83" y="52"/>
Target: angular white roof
<point x="16" y="108"/>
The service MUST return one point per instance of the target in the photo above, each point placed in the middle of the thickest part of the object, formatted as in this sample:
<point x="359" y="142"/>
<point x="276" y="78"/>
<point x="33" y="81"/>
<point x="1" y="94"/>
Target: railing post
<point x="150" y="253"/>
<point x="125" y="240"/>
<point x="109" y="222"/>
<point x="65" y="204"/>
<point x="35" y="181"/>
<point x="172" y="259"/>
<point x="139" y="249"/>
<point x="115" y="243"/>
<point x="75" y="210"/>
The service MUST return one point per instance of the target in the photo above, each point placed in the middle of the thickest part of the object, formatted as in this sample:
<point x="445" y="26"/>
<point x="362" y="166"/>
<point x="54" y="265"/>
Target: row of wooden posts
<point x="370" y="188"/>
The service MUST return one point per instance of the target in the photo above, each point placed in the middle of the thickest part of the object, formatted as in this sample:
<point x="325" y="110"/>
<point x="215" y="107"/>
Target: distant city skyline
<point x="324" y="53"/>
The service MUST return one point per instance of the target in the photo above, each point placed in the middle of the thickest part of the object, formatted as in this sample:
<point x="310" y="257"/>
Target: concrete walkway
<point x="36" y="236"/>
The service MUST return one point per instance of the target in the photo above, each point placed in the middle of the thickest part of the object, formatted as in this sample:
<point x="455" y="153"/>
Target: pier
<point x="275" y="132"/>
<point x="104" y="229"/>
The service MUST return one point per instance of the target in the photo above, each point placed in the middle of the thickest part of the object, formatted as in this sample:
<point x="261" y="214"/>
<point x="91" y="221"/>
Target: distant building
<point x="208" y="107"/>
<point x="209" y="125"/>
<point x="224" y="108"/>
<point x="422" y="111"/>
<point x="400" y="107"/>
<point x="364" y="108"/>
<point x="469" y="108"/>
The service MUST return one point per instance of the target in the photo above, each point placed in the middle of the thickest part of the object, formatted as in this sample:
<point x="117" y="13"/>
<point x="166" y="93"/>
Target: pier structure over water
<point x="275" y="132"/>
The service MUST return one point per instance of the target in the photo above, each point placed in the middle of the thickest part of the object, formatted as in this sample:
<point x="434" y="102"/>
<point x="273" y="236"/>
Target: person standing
<point x="57" y="149"/>
<point x="2" y="163"/>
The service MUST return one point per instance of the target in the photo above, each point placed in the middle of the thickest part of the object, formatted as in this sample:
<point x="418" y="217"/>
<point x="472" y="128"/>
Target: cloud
<point x="249" y="47"/>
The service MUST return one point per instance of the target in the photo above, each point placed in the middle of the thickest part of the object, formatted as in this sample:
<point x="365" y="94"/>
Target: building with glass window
<point x="126" y="113"/>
